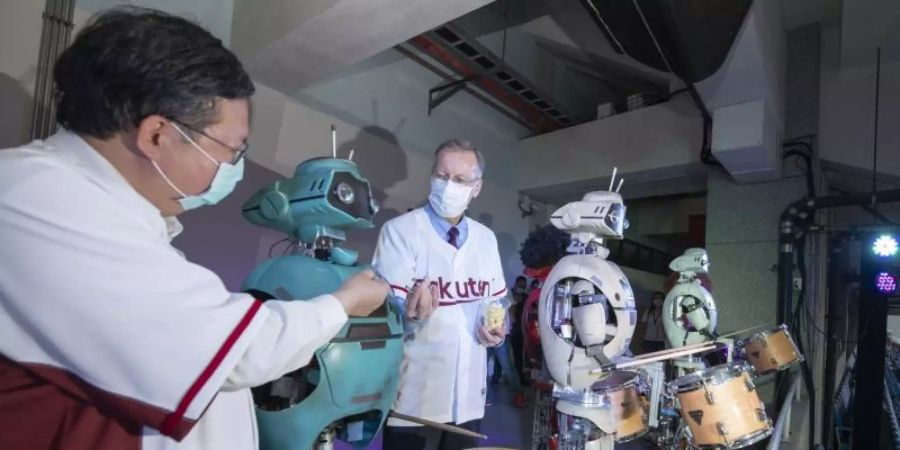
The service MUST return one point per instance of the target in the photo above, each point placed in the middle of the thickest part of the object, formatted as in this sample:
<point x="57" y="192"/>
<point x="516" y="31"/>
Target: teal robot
<point x="347" y="389"/>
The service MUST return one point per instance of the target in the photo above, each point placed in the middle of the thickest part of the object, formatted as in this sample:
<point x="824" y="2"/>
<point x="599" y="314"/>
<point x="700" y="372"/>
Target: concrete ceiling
<point x="289" y="44"/>
<point x="803" y="12"/>
<point x="688" y="179"/>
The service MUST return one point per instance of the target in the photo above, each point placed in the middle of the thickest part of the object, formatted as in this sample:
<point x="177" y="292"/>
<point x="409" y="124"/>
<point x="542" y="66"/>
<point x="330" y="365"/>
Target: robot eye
<point x="344" y="192"/>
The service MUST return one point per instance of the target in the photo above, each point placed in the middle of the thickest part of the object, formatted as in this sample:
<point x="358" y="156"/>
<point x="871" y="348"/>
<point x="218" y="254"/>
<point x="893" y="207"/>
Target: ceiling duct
<point x="693" y="35"/>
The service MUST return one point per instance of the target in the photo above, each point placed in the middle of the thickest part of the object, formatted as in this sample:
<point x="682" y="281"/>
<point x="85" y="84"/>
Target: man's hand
<point x="491" y="338"/>
<point x="422" y="300"/>
<point x="362" y="293"/>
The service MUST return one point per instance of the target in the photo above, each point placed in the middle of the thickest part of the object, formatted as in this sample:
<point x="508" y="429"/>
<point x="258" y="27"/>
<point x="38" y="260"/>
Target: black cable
<point x="810" y="185"/>
<point x="676" y="92"/>
<point x="800" y="250"/>
<point x="869" y="209"/>
<point x="272" y="247"/>
<point x="875" y="140"/>
<point x="794" y="144"/>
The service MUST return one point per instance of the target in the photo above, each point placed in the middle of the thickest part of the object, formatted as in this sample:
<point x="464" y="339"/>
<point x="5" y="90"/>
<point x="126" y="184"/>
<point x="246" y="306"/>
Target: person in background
<point x="535" y="284"/>
<point x="520" y="293"/>
<point x="654" y="336"/>
<point x="504" y="368"/>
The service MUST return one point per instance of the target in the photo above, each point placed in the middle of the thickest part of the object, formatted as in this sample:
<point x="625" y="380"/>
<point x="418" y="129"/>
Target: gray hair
<point x="459" y="145"/>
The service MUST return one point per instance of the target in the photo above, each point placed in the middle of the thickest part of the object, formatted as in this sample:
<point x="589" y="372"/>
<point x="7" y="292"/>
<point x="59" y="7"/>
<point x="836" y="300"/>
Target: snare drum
<point x="721" y="407"/>
<point x="771" y="350"/>
<point x="623" y="389"/>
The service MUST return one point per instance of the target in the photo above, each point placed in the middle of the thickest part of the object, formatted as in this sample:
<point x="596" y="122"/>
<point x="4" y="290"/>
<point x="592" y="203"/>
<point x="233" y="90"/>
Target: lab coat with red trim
<point x="443" y="372"/>
<point x="109" y="337"/>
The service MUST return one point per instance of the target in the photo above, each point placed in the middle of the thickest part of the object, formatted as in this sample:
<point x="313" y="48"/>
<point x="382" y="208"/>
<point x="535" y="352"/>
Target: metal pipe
<point x="46" y="89"/>
<point x="775" y="440"/>
<point x="37" y="107"/>
<point x="892" y="416"/>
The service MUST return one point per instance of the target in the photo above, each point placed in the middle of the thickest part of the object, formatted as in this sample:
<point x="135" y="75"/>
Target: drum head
<point x="712" y="375"/>
<point x="615" y="379"/>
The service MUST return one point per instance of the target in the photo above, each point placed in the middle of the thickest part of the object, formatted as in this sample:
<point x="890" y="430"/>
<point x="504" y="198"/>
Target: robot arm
<point x="589" y="314"/>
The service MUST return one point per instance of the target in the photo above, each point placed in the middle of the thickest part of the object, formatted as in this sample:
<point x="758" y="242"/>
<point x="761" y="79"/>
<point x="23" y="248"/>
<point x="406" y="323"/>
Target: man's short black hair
<point x="129" y="63"/>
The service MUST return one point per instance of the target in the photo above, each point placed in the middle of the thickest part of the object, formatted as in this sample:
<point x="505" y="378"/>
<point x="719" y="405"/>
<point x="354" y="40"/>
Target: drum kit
<point x="713" y="408"/>
<point x="691" y="395"/>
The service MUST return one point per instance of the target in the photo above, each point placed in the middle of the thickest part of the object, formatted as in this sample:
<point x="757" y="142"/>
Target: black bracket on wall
<point x="440" y="93"/>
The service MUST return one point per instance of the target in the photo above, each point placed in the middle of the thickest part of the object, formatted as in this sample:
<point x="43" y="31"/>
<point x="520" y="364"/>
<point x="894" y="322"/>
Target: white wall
<point x="20" y="35"/>
<point x="214" y="15"/>
<point x="847" y="112"/>
<point x="755" y="65"/>
<point x="379" y="108"/>
<point x="664" y="135"/>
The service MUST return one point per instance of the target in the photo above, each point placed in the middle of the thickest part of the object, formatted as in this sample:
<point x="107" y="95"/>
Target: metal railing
<point x="782" y="431"/>
<point x="892" y="388"/>
<point x="628" y="253"/>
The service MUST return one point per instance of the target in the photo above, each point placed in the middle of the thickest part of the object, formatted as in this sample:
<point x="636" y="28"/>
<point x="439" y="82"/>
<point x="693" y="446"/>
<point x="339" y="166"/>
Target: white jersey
<point x="442" y="376"/>
<point x="108" y="336"/>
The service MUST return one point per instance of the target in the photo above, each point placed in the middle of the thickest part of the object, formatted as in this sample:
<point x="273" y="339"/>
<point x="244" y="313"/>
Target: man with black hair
<point x="109" y="338"/>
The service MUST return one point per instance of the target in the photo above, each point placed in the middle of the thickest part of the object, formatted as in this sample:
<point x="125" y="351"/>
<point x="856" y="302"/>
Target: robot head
<point x="599" y="213"/>
<point x="325" y="197"/>
<point x="693" y="260"/>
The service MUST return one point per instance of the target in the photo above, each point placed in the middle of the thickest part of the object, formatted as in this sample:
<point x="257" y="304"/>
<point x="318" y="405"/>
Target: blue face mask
<point x="223" y="183"/>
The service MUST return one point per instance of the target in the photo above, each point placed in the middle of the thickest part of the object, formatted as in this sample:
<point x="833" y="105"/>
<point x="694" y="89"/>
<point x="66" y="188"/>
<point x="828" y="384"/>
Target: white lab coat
<point x="442" y="376"/>
<point x="96" y="302"/>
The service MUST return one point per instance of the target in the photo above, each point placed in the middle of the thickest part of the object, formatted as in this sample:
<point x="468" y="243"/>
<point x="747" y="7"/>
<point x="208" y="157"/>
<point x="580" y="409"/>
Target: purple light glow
<point x="886" y="283"/>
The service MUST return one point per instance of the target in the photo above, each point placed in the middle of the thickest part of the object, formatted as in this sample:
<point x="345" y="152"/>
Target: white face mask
<point x="449" y="199"/>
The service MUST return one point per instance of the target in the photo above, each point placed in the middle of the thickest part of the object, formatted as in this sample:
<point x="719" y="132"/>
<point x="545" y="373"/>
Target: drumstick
<point x="642" y="361"/>
<point x="440" y="426"/>
<point x="672" y="350"/>
<point x="741" y="331"/>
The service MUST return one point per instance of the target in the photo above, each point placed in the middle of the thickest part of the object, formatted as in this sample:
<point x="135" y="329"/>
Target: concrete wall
<point x="378" y="115"/>
<point x="20" y="35"/>
<point x="380" y="108"/>
<point x="660" y="136"/>
<point x="214" y="15"/>
<point x="847" y="115"/>
<point x="742" y="242"/>
<point x="755" y="64"/>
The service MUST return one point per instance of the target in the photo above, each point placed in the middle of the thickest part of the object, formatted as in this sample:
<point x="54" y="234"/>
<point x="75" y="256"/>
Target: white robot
<point x="689" y="312"/>
<point x="586" y="317"/>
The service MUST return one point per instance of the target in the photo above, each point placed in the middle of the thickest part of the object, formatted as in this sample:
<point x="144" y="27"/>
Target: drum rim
<point x="634" y="381"/>
<point x="751" y="439"/>
<point x="633" y="436"/>
<point x="583" y="397"/>
<point x="742" y="349"/>
<point x="695" y="380"/>
<point x="765" y="333"/>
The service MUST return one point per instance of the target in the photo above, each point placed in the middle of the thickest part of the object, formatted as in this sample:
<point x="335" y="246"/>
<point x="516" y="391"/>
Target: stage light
<point x="885" y="246"/>
<point x="886" y="283"/>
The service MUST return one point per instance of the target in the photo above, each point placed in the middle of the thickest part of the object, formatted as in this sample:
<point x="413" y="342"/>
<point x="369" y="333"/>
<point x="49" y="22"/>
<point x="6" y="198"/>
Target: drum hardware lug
<point x="723" y="431"/>
<point x="709" y="396"/>
<point x="761" y="415"/>
<point x="774" y="362"/>
<point x="750" y="385"/>
<point x="763" y="343"/>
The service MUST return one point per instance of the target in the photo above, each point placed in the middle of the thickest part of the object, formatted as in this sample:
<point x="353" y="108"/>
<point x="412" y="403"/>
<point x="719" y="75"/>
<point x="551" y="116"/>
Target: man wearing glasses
<point x="448" y="267"/>
<point x="109" y="338"/>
